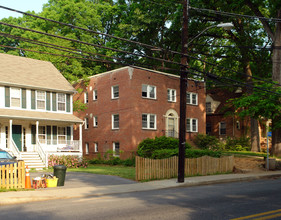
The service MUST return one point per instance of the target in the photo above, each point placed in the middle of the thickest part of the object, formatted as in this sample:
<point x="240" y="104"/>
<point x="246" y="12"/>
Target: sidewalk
<point x="62" y="192"/>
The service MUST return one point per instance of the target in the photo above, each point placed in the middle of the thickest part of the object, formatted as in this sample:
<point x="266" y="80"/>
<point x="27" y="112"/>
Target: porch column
<point x="80" y="138"/>
<point x="10" y="134"/>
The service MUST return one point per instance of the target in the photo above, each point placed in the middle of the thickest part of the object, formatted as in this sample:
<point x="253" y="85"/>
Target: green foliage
<point x="130" y="162"/>
<point x="67" y="160"/>
<point x="238" y="144"/>
<point x="194" y="153"/>
<point x="203" y="141"/>
<point x="79" y="106"/>
<point x="148" y="146"/>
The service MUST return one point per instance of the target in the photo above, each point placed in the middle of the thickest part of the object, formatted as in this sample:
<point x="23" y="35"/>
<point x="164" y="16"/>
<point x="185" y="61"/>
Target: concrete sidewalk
<point x="62" y="192"/>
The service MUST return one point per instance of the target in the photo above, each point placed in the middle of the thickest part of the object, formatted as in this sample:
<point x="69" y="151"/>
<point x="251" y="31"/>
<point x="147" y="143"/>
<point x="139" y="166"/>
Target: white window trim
<point x="87" y="148"/>
<point x="190" y="98"/>
<point x="191" y="123"/>
<point x="95" y="121"/>
<point x="170" y="96"/>
<point x="148" y="122"/>
<point x="112" y="92"/>
<point x="58" y="102"/>
<point x="96" y="147"/>
<point x="147" y="91"/>
<point x="36" y="98"/>
<point x="86" y="97"/>
<point x="114" y="149"/>
<point x="95" y="95"/>
<point x="11" y="88"/>
<point x="86" y="121"/>
<point x="112" y="119"/>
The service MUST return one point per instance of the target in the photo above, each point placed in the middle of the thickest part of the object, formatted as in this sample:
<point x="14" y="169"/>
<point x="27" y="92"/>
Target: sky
<point x="21" y="5"/>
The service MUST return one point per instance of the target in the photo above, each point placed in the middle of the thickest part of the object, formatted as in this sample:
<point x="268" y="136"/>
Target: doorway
<point x="17" y="136"/>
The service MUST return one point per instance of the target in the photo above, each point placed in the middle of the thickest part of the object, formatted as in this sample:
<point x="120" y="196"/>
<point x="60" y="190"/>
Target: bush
<point x="238" y="144"/>
<point x="114" y="161"/>
<point x="203" y="141"/>
<point x="194" y="153"/>
<point x="148" y="147"/>
<point x="67" y="160"/>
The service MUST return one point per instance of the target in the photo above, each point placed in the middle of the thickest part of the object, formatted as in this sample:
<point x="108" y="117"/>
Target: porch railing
<point x="42" y="153"/>
<point x="14" y="149"/>
<point x="70" y="146"/>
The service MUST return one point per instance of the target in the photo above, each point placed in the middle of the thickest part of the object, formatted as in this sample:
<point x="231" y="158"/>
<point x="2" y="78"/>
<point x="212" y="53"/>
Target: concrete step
<point x="32" y="160"/>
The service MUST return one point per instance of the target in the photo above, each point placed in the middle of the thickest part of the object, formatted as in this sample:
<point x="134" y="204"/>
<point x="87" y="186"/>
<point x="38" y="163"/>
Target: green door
<point x="17" y="136"/>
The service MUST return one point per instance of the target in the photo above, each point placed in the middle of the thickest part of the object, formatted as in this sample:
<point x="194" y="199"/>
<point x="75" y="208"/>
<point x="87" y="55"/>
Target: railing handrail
<point x="42" y="153"/>
<point x="14" y="149"/>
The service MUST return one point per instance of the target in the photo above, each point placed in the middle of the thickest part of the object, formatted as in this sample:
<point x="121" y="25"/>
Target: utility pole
<point x="183" y="87"/>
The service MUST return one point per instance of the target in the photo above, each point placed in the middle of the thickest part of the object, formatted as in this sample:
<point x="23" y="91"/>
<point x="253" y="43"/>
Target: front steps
<point x="32" y="160"/>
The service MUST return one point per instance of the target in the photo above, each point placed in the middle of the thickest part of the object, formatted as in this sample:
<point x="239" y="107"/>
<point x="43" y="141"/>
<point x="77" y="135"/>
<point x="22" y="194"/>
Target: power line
<point x="229" y="14"/>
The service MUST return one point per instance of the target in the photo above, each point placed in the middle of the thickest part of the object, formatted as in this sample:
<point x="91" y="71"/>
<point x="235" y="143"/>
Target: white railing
<point x="14" y="149"/>
<point x="42" y="153"/>
<point x="69" y="146"/>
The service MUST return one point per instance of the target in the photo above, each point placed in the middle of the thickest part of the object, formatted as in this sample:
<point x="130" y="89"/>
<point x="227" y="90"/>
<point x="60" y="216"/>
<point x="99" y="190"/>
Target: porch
<point x="34" y="140"/>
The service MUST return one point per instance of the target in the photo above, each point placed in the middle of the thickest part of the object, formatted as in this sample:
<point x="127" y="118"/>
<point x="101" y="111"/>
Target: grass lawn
<point x="121" y="171"/>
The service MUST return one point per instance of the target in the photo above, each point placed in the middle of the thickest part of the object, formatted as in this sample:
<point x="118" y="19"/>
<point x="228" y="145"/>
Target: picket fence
<point x="13" y="176"/>
<point x="149" y="169"/>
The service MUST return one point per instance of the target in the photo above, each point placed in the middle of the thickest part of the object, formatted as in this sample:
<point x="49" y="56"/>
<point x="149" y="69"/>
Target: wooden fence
<point x="148" y="169"/>
<point x="13" y="176"/>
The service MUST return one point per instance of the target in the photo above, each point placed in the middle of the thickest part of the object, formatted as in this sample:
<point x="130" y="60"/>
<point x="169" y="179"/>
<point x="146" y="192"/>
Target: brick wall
<point x="131" y="105"/>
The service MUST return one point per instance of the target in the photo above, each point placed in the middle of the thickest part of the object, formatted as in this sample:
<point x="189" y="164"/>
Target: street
<point x="220" y="201"/>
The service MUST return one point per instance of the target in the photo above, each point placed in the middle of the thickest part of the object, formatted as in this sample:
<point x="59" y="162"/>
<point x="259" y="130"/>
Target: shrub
<point x="114" y="161"/>
<point x="67" y="160"/>
<point x="194" y="153"/>
<point x="148" y="147"/>
<point x="238" y="144"/>
<point x="203" y="141"/>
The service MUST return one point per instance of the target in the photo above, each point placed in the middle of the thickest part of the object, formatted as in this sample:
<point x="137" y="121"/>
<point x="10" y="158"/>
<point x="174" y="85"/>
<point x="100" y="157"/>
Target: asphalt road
<point x="221" y="201"/>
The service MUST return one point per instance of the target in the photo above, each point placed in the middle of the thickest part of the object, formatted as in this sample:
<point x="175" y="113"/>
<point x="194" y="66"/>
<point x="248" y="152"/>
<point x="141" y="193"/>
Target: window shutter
<point x="67" y="103"/>
<point x="32" y="99"/>
<point x="49" y="129"/>
<point x="23" y="98"/>
<point x="33" y="134"/>
<point x="55" y="134"/>
<point x="48" y="101"/>
<point x="68" y="133"/>
<point x="54" y="100"/>
<point x="7" y="96"/>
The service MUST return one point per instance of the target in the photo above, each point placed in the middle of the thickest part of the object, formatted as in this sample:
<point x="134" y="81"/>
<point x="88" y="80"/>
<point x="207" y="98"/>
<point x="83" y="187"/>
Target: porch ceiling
<point x="38" y="116"/>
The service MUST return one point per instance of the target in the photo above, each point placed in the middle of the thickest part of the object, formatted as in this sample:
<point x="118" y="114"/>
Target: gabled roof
<point x="30" y="73"/>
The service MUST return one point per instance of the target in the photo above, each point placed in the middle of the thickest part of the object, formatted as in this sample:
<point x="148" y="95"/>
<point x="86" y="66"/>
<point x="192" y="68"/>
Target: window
<point x="42" y="134"/>
<point x="148" y="91"/>
<point x="115" y="92"/>
<point x="86" y="123"/>
<point x="222" y="127"/>
<point x="61" y="102"/>
<point x="115" y="121"/>
<point x="148" y="121"/>
<point x="96" y="147"/>
<point x="208" y="107"/>
<point x="95" y="95"/>
<point x="238" y="125"/>
<point x="171" y="95"/>
<point x="15" y="97"/>
<point x="95" y="121"/>
<point x="87" y="148"/>
<point x="116" y="149"/>
<point x="41" y="100"/>
<point x="61" y="135"/>
<point x="192" y="125"/>
<point x="191" y="98"/>
<point x="86" y="99"/>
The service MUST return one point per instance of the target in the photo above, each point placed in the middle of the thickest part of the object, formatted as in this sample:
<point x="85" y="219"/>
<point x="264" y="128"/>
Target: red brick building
<point x="127" y="105"/>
